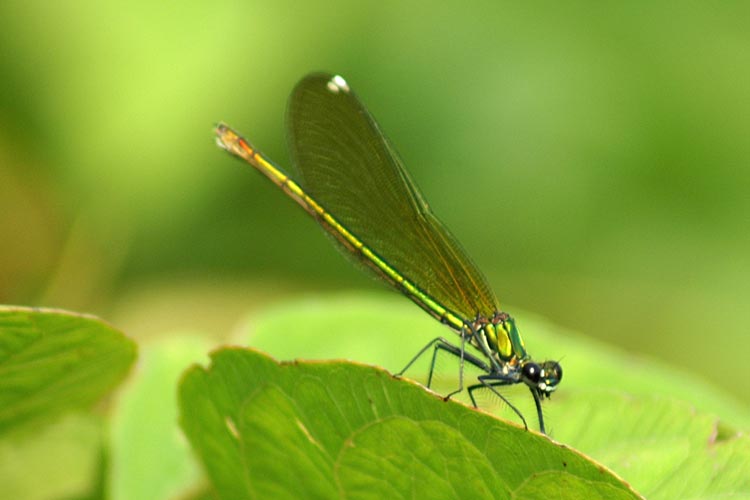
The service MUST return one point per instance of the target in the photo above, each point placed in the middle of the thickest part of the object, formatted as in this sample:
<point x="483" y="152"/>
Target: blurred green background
<point x="593" y="158"/>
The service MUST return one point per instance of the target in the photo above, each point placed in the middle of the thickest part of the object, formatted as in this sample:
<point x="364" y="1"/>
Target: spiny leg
<point x="490" y="382"/>
<point x="448" y="347"/>
<point x="440" y="343"/>
<point x="431" y="343"/>
<point x="432" y="363"/>
<point x="464" y="356"/>
<point x="467" y="331"/>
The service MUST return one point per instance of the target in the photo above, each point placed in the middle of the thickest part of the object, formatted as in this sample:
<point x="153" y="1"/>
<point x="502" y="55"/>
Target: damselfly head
<point x="542" y="378"/>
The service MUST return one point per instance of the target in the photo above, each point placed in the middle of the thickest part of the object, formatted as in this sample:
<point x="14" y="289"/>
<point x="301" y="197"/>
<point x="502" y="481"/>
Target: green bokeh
<point x="593" y="159"/>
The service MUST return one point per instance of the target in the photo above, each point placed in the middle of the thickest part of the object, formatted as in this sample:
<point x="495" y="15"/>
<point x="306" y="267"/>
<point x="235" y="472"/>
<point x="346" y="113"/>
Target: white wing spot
<point x="337" y="84"/>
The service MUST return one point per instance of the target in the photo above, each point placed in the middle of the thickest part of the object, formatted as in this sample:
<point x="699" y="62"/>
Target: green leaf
<point x="387" y="330"/>
<point x="661" y="445"/>
<point x="54" y="361"/>
<point x="658" y="427"/>
<point x="329" y="429"/>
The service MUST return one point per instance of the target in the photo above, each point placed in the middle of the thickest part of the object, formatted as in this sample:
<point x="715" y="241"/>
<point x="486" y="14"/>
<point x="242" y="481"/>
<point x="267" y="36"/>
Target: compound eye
<point x="531" y="372"/>
<point x="552" y="372"/>
<point x="556" y="369"/>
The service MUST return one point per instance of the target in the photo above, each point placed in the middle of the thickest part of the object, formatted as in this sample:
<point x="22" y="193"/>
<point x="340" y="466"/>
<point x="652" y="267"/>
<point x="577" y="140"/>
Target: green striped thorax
<point x="509" y="352"/>
<point x="503" y="337"/>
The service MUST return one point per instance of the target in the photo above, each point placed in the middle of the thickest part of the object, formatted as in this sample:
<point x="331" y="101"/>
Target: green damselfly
<point x="355" y="185"/>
